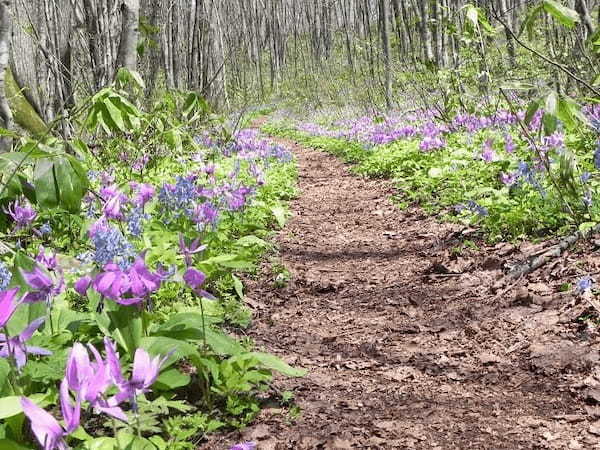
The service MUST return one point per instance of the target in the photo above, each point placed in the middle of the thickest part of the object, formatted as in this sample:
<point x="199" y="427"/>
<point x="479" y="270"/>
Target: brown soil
<point x="405" y="343"/>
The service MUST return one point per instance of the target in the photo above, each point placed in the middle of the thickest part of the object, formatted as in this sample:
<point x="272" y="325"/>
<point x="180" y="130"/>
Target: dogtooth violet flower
<point x="144" y="372"/>
<point x="16" y="348"/>
<point x="126" y="287"/>
<point x="46" y="429"/>
<point x="188" y="251"/>
<point x="195" y="279"/>
<point x="43" y="287"/>
<point x="22" y="214"/>
<point x="91" y="379"/>
<point x="8" y="305"/>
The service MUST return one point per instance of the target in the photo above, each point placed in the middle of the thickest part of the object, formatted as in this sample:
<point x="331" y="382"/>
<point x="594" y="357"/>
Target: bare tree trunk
<point x="385" y="40"/>
<point x="5" y="30"/>
<point x="127" y="56"/>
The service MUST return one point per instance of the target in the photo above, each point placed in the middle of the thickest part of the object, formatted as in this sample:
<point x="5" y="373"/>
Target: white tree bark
<point x="127" y="56"/>
<point x="5" y="29"/>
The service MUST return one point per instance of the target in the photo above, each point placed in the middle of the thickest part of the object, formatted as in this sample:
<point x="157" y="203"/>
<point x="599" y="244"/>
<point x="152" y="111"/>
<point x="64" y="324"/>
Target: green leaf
<point x="171" y="379"/>
<point x="435" y="172"/>
<point x="564" y="15"/>
<point x="279" y="213"/>
<point x="274" y="363"/>
<point x="160" y="345"/>
<point x="10" y="406"/>
<point x="570" y="113"/>
<point x="115" y="115"/>
<point x="238" y="286"/>
<point x="248" y="241"/>
<point x="530" y="19"/>
<point x="222" y="344"/>
<point x="7" y="444"/>
<point x="126" y="327"/>
<point x="46" y="190"/>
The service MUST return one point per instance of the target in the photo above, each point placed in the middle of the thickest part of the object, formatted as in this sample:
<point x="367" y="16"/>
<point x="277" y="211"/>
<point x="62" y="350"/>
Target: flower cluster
<point x="89" y="382"/>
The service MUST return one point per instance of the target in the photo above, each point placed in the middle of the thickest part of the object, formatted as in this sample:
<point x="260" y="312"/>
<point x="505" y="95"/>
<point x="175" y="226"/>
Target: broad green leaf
<point x="10" y="406"/>
<point x="46" y="189"/>
<point x="564" y="15"/>
<point x="530" y="19"/>
<point x="126" y="327"/>
<point x="222" y="344"/>
<point x="274" y="363"/>
<point x="238" y="286"/>
<point x="279" y="214"/>
<point x="7" y="444"/>
<point x="115" y="114"/>
<point x="171" y="379"/>
<point x="160" y="345"/>
<point x="248" y="241"/>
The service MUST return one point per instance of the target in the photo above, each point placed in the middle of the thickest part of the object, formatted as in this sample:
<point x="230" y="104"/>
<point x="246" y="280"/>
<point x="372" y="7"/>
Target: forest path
<point x="398" y="358"/>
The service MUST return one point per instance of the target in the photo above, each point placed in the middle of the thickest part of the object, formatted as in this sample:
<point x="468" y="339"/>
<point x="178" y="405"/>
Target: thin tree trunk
<point x="5" y="30"/>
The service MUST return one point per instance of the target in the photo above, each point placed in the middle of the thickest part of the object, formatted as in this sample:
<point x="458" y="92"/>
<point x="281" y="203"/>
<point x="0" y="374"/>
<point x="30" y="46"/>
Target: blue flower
<point x="179" y="197"/>
<point x="597" y="156"/>
<point x="585" y="284"/>
<point x="585" y="177"/>
<point x="135" y="221"/>
<point x="46" y="229"/>
<point x="5" y="276"/>
<point x="111" y="246"/>
<point x="587" y="198"/>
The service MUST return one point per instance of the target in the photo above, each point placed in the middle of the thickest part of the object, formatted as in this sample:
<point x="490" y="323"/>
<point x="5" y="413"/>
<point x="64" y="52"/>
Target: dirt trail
<point x="405" y="346"/>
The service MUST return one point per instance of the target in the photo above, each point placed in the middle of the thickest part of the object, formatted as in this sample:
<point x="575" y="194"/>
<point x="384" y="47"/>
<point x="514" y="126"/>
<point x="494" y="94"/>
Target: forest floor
<point x="406" y="344"/>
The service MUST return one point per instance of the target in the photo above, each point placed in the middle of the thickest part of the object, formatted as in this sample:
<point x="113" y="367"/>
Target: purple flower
<point x="46" y="429"/>
<point x="112" y="208"/>
<point x="488" y="154"/>
<point x="206" y="214"/>
<point x="15" y="347"/>
<point x="49" y="261"/>
<point x="144" y="373"/>
<point x="8" y="305"/>
<point x="22" y="214"/>
<point x="90" y="380"/>
<point x="585" y="177"/>
<point x="509" y="144"/>
<point x="113" y="283"/>
<point x="43" y="288"/>
<point x="82" y="285"/>
<point x="188" y="251"/>
<point x="142" y="281"/>
<point x="244" y="446"/>
<point x="195" y="279"/>
<point x="508" y="178"/>
<point x="145" y="193"/>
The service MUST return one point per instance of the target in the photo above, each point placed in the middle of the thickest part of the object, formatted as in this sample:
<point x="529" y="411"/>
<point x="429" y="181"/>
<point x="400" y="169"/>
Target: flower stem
<point x="12" y="362"/>
<point x="114" y="426"/>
